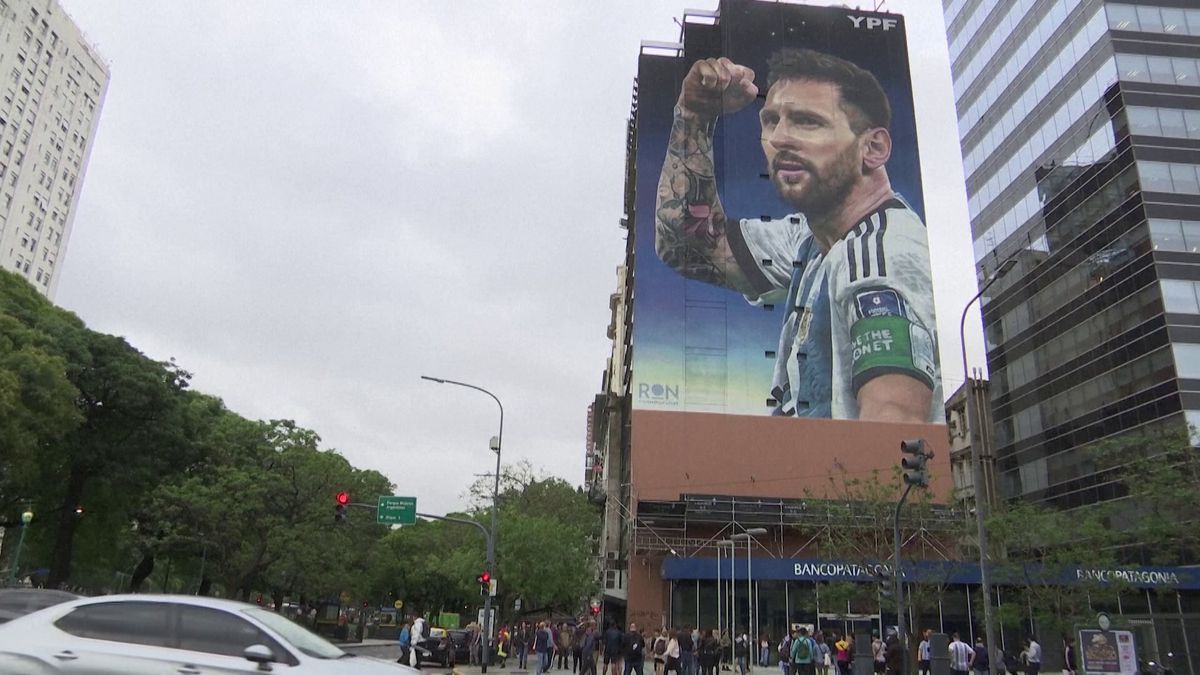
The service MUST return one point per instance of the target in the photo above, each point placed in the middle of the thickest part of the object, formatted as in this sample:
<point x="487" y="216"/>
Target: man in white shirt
<point x="961" y="655"/>
<point x="1033" y="657"/>
<point x="923" y="653"/>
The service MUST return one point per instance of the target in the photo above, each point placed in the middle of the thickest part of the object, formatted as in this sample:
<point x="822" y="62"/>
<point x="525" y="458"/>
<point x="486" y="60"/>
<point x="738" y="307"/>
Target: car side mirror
<point x="260" y="654"/>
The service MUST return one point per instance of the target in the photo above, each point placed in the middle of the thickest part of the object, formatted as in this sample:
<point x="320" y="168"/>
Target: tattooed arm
<point x="690" y="224"/>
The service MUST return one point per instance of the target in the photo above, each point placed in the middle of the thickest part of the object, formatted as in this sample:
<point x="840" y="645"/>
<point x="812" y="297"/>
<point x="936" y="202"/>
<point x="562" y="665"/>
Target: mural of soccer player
<point x="850" y="266"/>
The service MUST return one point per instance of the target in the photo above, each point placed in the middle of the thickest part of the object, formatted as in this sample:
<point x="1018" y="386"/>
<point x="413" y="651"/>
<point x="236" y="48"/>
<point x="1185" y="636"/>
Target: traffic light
<point x="915" y="471"/>
<point x="595" y="610"/>
<point x="485" y="582"/>
<point x="886" y="583"/>
<point x="339" y="509"/>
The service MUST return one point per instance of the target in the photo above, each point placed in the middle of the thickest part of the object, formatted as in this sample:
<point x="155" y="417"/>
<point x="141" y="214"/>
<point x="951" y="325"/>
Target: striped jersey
<point x="862" y="310"/>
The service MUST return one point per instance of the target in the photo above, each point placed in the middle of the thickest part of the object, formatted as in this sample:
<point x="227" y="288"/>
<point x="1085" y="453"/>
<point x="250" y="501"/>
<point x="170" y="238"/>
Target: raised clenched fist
<point x="717" y="86"/>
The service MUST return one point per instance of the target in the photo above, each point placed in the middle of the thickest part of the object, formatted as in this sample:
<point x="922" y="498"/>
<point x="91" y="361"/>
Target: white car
<point x="135" y="634"/>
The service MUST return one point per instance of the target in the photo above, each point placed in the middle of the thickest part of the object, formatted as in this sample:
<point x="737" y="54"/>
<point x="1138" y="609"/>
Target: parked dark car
<point x="17" y="602"/>
<point x="436" y="647"/>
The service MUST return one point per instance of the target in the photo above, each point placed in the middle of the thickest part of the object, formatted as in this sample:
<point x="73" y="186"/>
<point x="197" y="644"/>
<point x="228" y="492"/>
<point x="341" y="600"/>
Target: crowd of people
<point x="582" y="647"/>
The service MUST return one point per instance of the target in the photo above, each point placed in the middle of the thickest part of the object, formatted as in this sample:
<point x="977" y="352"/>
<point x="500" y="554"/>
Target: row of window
<point x="1164" y="122"/>
<point x="998" y="32"/>
<point x="1179" y="296"/>
<point x="951" y="12"/>
<point x="1187" y="360"/>
<point x="1095" y="148"/>
<point x="1150" y="19"/>
<point x="1039" y="139"/>
<point x="1171" y="177"/>
<point x="1175" y="235"/>
<point x="1055" y="65"/>
<point x="1084" y="91"/>
<point x="1159" y="69"/>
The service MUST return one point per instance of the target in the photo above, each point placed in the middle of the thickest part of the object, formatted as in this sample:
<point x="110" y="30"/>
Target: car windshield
<point x="295" y="634"/>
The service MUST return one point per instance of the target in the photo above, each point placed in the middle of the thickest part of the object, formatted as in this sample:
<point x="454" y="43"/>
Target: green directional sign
<point x="397" y="511"/>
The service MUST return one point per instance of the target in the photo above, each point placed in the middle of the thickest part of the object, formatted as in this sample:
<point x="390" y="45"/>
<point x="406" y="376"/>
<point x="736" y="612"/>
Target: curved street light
<point x="495" y="445"/>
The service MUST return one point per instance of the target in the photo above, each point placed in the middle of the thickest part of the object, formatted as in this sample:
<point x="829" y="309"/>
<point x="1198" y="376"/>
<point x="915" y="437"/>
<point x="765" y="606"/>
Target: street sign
<point x="396" y="510"/>
<point x="492" y="587"/>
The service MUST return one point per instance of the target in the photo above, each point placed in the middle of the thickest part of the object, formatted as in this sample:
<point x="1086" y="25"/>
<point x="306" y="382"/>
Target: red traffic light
<point x="595" y="610"/>
<point x="485" y="578"/>
<point x="342" y="498"/>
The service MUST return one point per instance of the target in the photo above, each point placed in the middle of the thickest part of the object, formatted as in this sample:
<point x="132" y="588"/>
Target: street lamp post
<point x="495" y="445"/>
<point x="981" y="500"/>
<point x="26" y="518"/>
<point x="748" y="536"/>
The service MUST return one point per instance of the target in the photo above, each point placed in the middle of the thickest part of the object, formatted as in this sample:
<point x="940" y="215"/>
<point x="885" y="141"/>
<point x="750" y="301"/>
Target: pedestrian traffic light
<point x="485" y="582"/>
<point x="915" y="471"/>
<point x="339" y="509"/>
<point x="595" y="610"/>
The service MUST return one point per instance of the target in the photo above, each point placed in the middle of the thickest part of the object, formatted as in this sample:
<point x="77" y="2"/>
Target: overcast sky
<point x="311" y="204"/>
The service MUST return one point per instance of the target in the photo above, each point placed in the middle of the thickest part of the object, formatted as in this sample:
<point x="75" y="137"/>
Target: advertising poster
<point x="782" y="261"/>
<point x="1108" y="652"/>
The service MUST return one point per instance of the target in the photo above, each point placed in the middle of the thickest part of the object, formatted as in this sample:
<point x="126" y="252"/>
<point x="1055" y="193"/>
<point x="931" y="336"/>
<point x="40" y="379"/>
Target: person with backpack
<point x="785" y="653"/>
<point x="821" y="659"/>
<point x="804" y="650"/>
<point x="741" y="653"/>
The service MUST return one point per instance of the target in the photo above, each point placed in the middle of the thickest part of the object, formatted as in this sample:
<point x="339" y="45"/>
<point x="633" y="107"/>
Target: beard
<point x="827" y="188"/>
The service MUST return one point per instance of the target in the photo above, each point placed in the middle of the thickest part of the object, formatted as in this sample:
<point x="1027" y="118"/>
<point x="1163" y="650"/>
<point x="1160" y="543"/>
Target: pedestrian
<point x="613" y="638"/>
<point x="660" y="649"/>
<point x="520" y="641"/>
<point x="577" y="646"/>
<point x="708" y="654"/>
<point x="473" y="644"/>
<point x="1033" y="657"/>
<point x="503" y="646"/>
<point x="821" y="660"/>
<point x="405" y="642"/>
<point x="845" y="654"/>
<point x="785" y="653"/>
<point x="587" y="650"/>
<point x="981" y="662"/>
<point x="564" y="645"/>
<point x="893" y="656"/>
<point x="634" y="647"/>
<point x="878" y="652"/>
<point x="671" y="652"/>
<point x="804" y="650"/>
<point x="1069" y="656"/>
<point x="726" y="650"/>
<point x="542" y="644"/>
<point x="960" y="655"/>
<point x="764" y="650"/>
<point x="741" y="652"/>
<point x="924" y="654"/>
<point x="687" y="651"/>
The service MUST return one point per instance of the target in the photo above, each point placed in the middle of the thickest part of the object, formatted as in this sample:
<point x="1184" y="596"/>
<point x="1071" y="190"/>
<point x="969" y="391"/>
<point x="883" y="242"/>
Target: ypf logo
<point x="871" y="22"/>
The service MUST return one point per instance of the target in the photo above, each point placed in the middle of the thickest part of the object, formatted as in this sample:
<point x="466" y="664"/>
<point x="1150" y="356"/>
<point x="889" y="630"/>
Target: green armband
<point x="890" y="344"/>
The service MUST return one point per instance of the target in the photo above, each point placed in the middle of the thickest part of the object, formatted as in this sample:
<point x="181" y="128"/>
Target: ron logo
<point x="662" y="394"/>
<point x="871" y="22"/>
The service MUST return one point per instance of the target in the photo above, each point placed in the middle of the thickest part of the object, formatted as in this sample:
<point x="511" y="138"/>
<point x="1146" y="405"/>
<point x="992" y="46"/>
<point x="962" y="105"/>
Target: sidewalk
<point x="475" y="670"/>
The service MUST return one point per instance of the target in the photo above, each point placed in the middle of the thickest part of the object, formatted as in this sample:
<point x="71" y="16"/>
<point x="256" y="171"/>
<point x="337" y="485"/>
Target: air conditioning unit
<point x="612" y="555"/>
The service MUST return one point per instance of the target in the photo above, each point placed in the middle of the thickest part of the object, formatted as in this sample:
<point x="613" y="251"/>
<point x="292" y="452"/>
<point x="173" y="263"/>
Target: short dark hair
<point x="863" y="99"/>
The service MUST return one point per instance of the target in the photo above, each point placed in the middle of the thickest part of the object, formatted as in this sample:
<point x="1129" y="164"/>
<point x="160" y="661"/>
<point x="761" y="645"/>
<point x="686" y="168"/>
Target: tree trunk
<point x="64" y="536"/>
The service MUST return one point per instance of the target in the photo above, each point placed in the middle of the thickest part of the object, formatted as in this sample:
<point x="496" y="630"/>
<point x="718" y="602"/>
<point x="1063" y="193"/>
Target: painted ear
<point x="877" y="148"/>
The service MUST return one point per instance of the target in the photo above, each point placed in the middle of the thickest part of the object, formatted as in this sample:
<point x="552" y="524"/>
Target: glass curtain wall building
<point x="1079" y="122"/>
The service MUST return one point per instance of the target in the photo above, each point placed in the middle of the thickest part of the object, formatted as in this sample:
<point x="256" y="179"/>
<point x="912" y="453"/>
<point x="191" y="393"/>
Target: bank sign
<point x="925" y="571"/>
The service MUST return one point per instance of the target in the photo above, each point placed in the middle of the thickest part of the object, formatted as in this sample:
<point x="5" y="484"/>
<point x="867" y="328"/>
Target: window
<point x="1179" y="297"/>
<point x="213" y="631"/>
<point x="1187" y="359"/>
<point x="143" y="623"/>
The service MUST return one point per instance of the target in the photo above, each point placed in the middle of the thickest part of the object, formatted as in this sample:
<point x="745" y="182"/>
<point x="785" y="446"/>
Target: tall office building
<point x="1080" y="129"/>
<point x="53" y="84"/>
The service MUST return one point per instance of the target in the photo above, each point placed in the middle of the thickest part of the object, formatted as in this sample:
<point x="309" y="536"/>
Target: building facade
<point x="53" y="84"/>
<point x="1080" y="130"/>
<point x="1079" y="122"/>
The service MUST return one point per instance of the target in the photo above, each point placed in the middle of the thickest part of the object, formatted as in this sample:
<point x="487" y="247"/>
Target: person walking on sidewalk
<point x="520" y="642"/>
<point x="405" y="641"/>
<point x="564" y="646"/>
<point x="671" y="654"/>
<point x="660" y="651"/>
<point x="613" y="639"/>
<point x="708" y="653"/>
<point x="687" y="652"/>
<point x="635" y="650"/>
<point x="542" y="644"/>
<point x="587" y="649"/>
